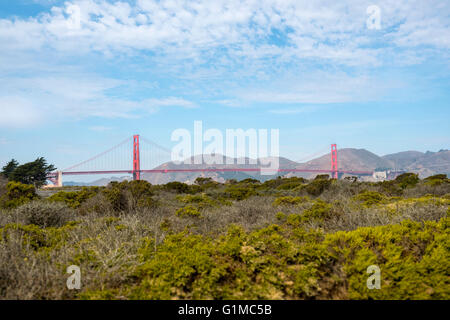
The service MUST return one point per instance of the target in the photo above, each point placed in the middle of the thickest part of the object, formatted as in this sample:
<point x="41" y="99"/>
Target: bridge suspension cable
<point x="122" y="143"/>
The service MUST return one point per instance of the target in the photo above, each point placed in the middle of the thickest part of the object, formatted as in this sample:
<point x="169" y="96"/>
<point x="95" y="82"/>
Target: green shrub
<point x="188" y="211"/>
<point x="437" y="177"/>
<point x="74" y="199"/>
<point x="319" y="211"/>
<point x="249" y="181"/>
<point x="177" y="187"/>
<point x="317" y="186"/>
<point x="391" y="188"/>
<point x="370" y="198"/>
<point x="17" y="194"/>
<point x="45" y="214"/>
<point x="129" y="195"/>
<point x="115" y="195"/>
<point x="289" y="185"/>
<point x="165" y="225"/>
<point x="280" y="216"/>
<point x="193" y="188"/>
<point x="273" y="183"/>
<point x="29" y="234"/>
<point x="294" y="219"/>
<point x="204" y="183"/>
<point x="286" y="183"/>
<point x="238" y="192"/>
<point x="436" y="180"/>
<point x="140" y="188"/>
<point x="289" y="200"/>
<point x="413" y="257"/>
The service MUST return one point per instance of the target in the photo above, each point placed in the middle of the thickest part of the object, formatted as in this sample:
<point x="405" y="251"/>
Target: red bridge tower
<point x="334" y="161"/>
<point x="136" y="159"/>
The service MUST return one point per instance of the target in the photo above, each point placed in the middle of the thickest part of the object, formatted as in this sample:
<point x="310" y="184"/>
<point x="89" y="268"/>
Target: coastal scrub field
<point x="286" y="238"/>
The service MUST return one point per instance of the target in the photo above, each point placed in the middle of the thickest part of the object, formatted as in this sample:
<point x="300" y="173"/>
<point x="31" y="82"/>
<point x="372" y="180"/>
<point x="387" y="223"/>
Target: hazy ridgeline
<point x="281" y="239"/>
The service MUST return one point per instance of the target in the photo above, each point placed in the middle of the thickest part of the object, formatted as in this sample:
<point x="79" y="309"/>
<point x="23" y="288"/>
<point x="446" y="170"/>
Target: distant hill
<point x="349" y="158"/>
<point x="426" y="164"/>
<point x="189" y="177"/>
<point x="403" y="159"/>
<point x="100" y="182"/>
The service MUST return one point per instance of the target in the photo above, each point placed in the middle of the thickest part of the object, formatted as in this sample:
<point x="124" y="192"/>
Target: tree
<point x="407" y="179"/>
<point x="35" y="172"/>
<point x="9" y="168"/>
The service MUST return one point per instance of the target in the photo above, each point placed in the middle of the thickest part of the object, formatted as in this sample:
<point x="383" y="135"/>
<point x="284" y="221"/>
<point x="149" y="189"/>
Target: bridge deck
<point x="213" y="170"/>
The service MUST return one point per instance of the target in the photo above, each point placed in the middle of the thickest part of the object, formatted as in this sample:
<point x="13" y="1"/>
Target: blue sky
<point x="314" y="71"/>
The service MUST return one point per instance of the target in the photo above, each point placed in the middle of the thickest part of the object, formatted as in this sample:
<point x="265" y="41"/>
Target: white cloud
<point x="270" y="46"/>
<point x="171" y="101"/>
<point x="327" y="29"/>
<point x="30" y="101"/>
<point x="100" y="128"/>
<point x="17" y="112"/>
<point x="321" y="88"/>
<point x="305" y="109"/>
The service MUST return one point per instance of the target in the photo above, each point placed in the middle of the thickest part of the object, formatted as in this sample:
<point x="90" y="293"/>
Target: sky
<point x="79" y="76"/>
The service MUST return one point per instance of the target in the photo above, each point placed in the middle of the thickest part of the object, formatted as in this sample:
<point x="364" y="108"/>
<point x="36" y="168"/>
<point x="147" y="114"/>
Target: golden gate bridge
<point x="146" y="154"/>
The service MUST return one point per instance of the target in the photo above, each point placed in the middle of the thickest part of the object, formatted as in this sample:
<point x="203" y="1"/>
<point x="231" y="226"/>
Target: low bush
<point x="17" y="194"/>
<point x="290" y="200"/>
<point x="413" y="257"/>
<point x="280" y="216"/>
<point x="289" y="185"/>
<point x="128" y="196"/>
<point x="319" y="211"/>
<point x="74" y="199"/>
<point x="188" y="211"/>
<point x="45" y="214"/>
<point x="239" y="192"/>
<point x="177" y="187"/>
<point x="436" y="180"/>
<point x="317" y="186"/>
<point x="115" y="195"/>
<point x="370" y="198"/>
<point x="202" y="201"/>
<point x="437" y="177"/>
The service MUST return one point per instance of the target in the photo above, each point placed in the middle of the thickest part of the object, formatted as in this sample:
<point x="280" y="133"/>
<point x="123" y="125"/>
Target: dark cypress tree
<point x="33" y="172"/>
<point x="8" y="169"/>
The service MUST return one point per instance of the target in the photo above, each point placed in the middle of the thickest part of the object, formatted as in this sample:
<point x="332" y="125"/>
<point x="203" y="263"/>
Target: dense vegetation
<point x="287" y="238"/>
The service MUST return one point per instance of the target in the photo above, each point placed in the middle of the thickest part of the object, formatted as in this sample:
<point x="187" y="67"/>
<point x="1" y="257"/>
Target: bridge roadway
<point x="211" y="170"/>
